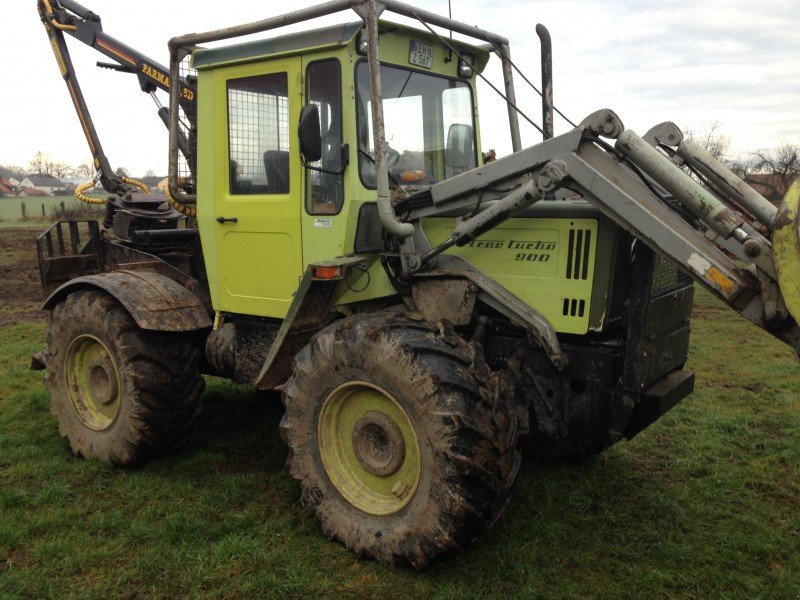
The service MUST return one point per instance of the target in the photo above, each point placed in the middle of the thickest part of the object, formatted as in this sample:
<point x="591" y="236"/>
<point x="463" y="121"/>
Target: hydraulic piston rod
<point x="727" y="182"/>
<point x="699" y="201"/>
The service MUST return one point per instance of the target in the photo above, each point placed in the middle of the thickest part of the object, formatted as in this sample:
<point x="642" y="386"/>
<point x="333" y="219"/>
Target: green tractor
<point x="331" y="229"/>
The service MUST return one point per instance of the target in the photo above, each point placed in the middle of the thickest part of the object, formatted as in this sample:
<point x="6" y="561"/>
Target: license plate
<point x="421" y="54"/>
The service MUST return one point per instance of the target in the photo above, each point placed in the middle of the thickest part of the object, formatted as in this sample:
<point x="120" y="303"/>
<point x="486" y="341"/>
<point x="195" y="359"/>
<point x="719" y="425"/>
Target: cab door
<point x="257" y="209"/>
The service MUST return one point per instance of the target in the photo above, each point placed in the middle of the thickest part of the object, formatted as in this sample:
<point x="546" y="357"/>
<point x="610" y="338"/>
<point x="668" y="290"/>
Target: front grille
<point x="580" y="241"/>
<point x="667" y="276"/>
<point x="573" y="307"/>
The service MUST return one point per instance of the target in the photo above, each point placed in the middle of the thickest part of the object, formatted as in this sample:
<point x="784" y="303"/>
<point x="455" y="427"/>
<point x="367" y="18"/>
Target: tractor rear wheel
<point x="120" y="394"/>
<point x="400" y="437"/>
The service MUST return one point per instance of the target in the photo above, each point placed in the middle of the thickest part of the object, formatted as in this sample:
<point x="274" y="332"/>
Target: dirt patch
<point x="20" y="292"/>
<point x="16" y="559"/>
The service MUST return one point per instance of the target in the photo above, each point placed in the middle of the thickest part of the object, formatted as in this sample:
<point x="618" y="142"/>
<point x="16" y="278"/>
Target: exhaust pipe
<point x="547" y="80"/>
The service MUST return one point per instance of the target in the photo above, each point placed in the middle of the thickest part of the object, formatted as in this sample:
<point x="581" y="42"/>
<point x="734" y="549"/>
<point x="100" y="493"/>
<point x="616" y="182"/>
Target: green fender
<point x="308" y="313"/>
<point x="155" y="302"/>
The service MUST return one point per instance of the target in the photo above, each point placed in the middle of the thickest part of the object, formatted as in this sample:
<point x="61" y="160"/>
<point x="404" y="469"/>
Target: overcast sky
<point x="736" y="62"/>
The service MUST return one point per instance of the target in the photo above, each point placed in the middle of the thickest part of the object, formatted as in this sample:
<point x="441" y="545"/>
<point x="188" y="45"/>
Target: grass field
<point x="11" y="210"/>
<point x="705" y="503"/>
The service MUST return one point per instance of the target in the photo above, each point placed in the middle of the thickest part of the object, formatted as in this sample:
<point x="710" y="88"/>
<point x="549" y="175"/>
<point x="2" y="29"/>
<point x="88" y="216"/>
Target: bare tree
<point x="780" y="165"/>
<point x="150" y="173"/>
<point x="712" y="138"/>
<point x="40" y="163"/>
<point x="85" y="170"/>
<point x="60" y="170"/>
<point x="122" y="172"/>
<point x="12" y="171"/>
<point x="770" y="172"/>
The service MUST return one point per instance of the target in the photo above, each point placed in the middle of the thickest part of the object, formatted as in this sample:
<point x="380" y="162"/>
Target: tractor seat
<point x="276" y="166"/>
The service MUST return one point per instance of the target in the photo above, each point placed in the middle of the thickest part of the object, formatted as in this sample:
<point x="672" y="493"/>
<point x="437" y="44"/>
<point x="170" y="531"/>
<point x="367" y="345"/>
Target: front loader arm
<point x="722" y="233"/>
<point x="628" y="201"/>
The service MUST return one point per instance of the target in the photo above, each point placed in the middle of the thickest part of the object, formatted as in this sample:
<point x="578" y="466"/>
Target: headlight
<point x="465" y="63"/>
<point x="362" y="45"/>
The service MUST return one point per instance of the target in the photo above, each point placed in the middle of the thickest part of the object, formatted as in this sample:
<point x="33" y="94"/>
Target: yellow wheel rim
<point x="92" y="382"/>
<point x="369" y="448"/>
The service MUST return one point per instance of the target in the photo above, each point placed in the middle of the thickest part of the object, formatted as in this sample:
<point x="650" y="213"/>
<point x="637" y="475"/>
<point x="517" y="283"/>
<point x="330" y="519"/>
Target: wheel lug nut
<point x="399" y="489"/>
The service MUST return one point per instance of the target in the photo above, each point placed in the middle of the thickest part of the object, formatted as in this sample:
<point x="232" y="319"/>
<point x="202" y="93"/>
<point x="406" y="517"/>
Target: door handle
<point x="224" y="220"/>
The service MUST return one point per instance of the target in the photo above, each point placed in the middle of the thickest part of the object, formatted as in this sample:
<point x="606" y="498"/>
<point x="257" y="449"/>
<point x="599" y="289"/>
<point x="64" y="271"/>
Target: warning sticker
<point x="323" y="223"/>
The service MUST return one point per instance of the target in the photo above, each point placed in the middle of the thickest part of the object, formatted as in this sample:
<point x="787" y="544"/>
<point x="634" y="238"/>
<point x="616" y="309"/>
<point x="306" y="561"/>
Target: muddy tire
<point x="400" y="438"/>
<point x="120" y="394"/>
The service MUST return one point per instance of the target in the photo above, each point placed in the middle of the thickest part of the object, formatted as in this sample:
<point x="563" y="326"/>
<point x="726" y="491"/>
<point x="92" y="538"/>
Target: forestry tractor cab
<point x="331" y="229"/>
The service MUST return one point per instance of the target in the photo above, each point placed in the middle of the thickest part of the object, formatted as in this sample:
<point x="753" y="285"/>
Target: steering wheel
<point x="372" y="160"/>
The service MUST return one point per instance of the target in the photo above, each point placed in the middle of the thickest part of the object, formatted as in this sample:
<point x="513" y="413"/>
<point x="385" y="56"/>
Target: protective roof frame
<point x="369" y="11"/>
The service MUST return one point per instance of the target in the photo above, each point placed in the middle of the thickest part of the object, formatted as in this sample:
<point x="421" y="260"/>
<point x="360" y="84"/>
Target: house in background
<point x="42" y="182"/>
<point x="31" y="191"/>
<point x="770" y="185"/>
<point x="8" y="187"/>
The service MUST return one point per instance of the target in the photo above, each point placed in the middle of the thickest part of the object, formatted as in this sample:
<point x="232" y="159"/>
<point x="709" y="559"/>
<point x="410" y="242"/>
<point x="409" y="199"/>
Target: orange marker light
<point x="327" y="272"/>
<point x="412" y="176"/>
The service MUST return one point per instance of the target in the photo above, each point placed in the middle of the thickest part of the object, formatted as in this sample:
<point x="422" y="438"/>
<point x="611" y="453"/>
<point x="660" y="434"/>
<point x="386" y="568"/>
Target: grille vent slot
<point x="580" y="240"/>
<point x="667" y="277"/>
<point x="573" y="307"/>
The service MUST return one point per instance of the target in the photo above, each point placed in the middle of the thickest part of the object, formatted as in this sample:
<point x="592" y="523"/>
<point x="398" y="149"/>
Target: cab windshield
<point x="428" y="121"/>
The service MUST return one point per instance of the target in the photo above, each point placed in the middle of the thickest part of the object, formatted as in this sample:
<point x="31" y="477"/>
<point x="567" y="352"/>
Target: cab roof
<point x="316" y="39"/>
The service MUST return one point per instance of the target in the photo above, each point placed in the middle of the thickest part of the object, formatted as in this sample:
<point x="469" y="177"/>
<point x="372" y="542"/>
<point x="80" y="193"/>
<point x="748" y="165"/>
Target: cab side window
<point x="258" y="134"/>
<point x="325" y="187"/>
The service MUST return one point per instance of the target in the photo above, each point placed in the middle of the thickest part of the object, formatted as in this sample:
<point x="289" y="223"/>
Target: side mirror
<point x="460" y="151"/>
<point x="309" y="134"/>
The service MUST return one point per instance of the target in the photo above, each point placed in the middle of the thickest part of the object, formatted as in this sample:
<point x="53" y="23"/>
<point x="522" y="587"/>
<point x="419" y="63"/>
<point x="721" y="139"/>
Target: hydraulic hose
<point x="52" y="19"/>
<point x="189" y="210"/>
<point x="79" y="191"/>
<point x="185" y="209"/>
<point x="135" y="183"/>
<point x="84" y="198"/>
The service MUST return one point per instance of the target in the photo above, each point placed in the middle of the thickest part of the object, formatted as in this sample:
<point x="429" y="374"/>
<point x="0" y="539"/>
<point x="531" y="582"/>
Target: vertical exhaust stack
<point x="547" y="80"/>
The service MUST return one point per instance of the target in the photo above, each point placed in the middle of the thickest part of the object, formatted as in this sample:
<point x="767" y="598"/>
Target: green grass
<point x="705" y="503"/>
<point x="11" y="211"/>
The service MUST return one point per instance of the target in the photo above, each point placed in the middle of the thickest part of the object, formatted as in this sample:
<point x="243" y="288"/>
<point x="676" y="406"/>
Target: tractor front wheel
<point x="400" y="437"/>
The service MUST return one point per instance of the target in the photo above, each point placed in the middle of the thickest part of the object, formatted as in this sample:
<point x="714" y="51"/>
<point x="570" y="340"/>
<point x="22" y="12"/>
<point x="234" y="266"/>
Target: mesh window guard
<point x="258" y="130"/>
